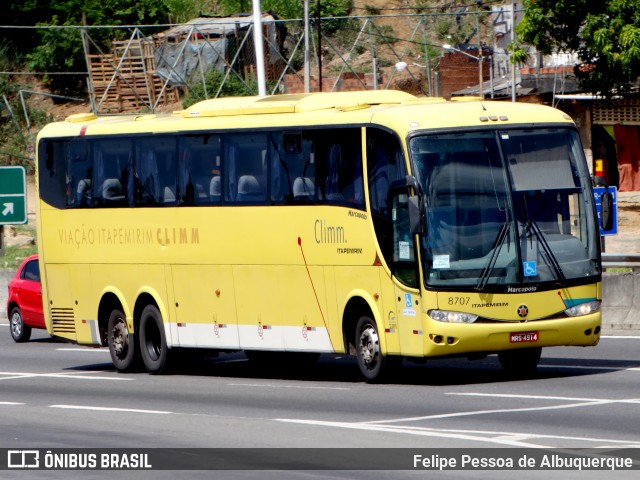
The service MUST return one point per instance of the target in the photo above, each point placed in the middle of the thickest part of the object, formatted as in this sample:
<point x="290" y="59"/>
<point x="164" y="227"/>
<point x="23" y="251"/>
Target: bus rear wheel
<point x="523" y="361"/>
<point x="122" y="343"/>
<point x="153" y="342"/>
<point x="374" y="366"/>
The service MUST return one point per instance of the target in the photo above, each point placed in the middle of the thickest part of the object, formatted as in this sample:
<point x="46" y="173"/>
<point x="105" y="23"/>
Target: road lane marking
<point x="515" y="439"/>
<point x="78" y="349"/>
<point x="490" y="412"/>
<point x="11" y="403"/>
<point x="73" y="375"/>
<point x="270" y="385"/>
<point x="586" y="367"/>
<point x="546" y="397"/>
<point x="110" y="409"/>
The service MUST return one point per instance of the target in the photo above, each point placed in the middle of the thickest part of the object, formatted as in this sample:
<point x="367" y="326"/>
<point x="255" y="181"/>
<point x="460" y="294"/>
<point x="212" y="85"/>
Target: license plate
<point x="520" y="337"/>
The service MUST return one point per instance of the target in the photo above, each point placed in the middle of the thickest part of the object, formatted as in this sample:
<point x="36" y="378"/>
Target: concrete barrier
<point x="5" y="278"/>
<point x="620" y="305"/>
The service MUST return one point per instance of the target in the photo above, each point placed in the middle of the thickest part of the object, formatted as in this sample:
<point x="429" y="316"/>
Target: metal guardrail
<point x="621" y="260"/>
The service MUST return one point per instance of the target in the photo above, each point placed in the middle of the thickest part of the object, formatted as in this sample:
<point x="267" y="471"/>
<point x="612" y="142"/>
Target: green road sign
<point x="13" y="196"/>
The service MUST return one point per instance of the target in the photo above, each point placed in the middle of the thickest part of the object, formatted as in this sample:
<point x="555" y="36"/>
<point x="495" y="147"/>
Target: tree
<point x="604" y="33"/>
<point x="61" y="49"/>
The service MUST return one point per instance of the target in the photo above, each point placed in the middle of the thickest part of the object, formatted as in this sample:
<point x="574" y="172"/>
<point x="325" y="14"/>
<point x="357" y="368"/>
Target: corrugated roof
<point x="211" y="26"/>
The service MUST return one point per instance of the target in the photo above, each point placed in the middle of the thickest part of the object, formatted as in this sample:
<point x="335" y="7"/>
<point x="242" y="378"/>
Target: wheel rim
<point x="369" y="347"/>
<point x="120" y="339"/>
<point x="16" y="324"/>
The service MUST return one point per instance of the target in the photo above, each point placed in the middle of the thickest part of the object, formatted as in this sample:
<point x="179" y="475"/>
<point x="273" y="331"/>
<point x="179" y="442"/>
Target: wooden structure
<point x="126" y="80"/>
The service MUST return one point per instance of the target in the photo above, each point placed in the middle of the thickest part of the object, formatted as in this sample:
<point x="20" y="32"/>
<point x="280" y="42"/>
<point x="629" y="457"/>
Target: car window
<point x="31" y="271"/>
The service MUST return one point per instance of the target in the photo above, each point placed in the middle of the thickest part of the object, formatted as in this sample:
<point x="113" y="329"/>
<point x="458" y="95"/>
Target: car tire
<point x="19" y="331"/>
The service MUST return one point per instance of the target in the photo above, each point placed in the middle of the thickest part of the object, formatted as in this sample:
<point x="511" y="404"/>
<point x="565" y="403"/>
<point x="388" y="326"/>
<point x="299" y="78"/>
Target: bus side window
<point x="339" y="169"/>
<point x="148" y="192"/>
<point x="111" y="170"/>
<point x="200" y="170"/>
<point x="385" y="165"/>
<point x="155" y="171"/>
<point x="166" y="158"/>
<point x="247" y="160"/>
<point x="54" y="186"/>
<point x="292" y="173"/>
<point x="78" y="175"/>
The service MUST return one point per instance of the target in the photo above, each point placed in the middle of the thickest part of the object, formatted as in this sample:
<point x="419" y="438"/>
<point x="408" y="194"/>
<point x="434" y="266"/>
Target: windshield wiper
<point x="497" y="246"/>
<point x="532" y="229"/>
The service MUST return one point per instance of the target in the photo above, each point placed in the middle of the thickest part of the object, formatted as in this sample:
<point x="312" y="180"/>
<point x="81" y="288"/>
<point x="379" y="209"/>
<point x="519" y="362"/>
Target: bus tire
<point x="19" y="331"/>
<point x="374" y="366"/>
<point x="522" y="361"/>
<point x="122" y="343"/>
<point x="153" y="342"/>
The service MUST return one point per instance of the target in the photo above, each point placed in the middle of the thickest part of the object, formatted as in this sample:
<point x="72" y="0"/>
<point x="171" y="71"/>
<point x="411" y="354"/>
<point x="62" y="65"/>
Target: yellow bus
<point x="370" y="223"/>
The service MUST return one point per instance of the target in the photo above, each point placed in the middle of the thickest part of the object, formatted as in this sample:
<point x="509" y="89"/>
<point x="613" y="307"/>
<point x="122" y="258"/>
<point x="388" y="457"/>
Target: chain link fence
<point x="213" y="57"/>
<point x="155" y="68"/>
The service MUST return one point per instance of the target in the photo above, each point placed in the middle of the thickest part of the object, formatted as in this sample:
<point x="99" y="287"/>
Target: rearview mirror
<point x="606" y="215"/>
<point x="414" y="202"/>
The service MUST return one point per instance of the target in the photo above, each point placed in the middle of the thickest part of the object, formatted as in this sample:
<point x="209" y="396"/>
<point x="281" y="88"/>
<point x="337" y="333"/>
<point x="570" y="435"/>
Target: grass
<point x="618" y="270"/>
<point x="14" y="254"/>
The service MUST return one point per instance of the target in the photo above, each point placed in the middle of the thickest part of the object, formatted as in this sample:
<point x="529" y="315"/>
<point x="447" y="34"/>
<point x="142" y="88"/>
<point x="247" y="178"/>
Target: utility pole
<point x="259" y="48"/>
<point x="513" y="39"/>
<point x="307" y="70"/>
<point x="319" y="28"/>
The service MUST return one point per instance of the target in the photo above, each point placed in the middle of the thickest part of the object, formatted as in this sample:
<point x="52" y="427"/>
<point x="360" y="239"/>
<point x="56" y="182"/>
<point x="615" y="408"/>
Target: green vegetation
<point x="604" y="34"/>
<point x="14" y="254"/>
<point x="233" y="86"/>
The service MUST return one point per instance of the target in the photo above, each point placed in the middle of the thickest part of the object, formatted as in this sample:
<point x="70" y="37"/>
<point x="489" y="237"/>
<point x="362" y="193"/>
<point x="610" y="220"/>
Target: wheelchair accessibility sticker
<point x="530" y="269"/>
<point x="408" y="311"/>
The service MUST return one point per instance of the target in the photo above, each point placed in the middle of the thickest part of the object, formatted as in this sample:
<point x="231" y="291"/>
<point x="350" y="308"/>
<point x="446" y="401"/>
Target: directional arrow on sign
<point x="8" y="209"/>
<point x="13" y="195"/>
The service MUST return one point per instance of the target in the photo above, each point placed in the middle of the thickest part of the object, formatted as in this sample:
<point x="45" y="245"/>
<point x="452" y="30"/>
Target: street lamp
<point x="478" y="59"/>
<point x="402" y="66"/>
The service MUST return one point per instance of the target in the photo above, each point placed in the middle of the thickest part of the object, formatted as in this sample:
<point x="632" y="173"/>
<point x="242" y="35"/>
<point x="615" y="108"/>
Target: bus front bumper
<point x="459" y="339"/>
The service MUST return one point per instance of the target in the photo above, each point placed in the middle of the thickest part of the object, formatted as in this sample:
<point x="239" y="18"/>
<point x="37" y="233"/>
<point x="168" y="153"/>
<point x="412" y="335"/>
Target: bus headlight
<point x="583" y="309"/>
<point x="452" y="317"/>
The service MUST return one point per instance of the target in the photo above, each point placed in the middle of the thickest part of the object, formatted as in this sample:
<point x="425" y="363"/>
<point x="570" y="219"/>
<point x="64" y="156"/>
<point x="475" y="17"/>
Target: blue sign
<point x="530" y="269"/>
<point x="597" y="193"/>
<point x="407" y="300"/>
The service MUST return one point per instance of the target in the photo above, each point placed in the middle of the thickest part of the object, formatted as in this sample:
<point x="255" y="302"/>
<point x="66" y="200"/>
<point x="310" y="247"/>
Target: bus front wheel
<point x="153" y="342"/>
<point x="374" y="366"/>
<point x="122" y="343"/>
<point x="520" y="362"/>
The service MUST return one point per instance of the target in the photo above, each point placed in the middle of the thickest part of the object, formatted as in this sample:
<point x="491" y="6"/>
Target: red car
<point x="24" y="306"/>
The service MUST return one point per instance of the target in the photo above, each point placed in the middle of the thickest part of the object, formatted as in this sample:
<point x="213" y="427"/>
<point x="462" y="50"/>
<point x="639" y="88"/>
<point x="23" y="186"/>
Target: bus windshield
<point x="505" y="208"/>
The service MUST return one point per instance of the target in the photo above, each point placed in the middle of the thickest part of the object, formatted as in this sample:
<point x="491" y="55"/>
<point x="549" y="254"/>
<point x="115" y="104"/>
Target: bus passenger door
<point x="406" y="276"/>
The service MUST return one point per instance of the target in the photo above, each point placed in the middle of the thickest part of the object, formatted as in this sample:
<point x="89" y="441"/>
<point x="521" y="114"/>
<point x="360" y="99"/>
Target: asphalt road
<point x="58" y="395"/>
